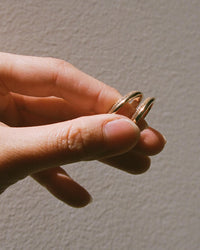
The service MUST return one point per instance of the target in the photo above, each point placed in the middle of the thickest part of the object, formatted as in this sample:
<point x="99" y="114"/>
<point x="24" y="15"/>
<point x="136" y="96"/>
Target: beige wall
<point x="152" y="46"/>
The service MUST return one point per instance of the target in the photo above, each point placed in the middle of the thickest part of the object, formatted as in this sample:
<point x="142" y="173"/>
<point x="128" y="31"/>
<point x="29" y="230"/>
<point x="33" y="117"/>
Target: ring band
<point x="141" y="110"/>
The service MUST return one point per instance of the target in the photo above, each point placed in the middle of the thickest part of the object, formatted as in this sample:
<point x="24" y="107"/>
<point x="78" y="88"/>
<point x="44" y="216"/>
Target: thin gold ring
<point x="135" y="98"/>
<point x="131" y="96"/>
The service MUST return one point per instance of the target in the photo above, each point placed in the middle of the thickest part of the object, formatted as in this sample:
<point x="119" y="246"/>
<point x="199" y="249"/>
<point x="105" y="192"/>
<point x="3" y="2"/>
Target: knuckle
<point x="75" y="140"/>
<point x="60" y="66"/>
<point x="73" y="143"/>
<point x="62" y="71"/>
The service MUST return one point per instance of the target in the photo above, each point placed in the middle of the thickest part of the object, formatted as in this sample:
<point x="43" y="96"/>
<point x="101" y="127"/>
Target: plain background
<point x="152" y="46"/>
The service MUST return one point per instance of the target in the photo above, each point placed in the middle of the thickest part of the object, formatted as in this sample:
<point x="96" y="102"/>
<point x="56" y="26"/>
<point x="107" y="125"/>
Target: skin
<point x="53" y="114"/>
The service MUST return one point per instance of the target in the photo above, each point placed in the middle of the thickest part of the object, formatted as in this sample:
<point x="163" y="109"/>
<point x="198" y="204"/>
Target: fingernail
<point x="91" y="200"/>
<point x="121" y="133"/>
<point x="165" y="140"/>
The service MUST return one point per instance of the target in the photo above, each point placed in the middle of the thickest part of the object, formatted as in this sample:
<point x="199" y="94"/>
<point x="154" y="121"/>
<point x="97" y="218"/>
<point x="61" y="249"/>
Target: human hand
<point x="53" y="114"/>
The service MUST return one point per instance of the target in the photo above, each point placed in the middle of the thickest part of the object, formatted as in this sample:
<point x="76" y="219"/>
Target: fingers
<point x="151" y="142"/>
<point x="35" y="111"/>
<point x="43" y="110"/>
<point x="131" y="162"/>
<point x="42" y="77"/>
<point x="136" y="161"/>
<point x="63" y="187"/>
<point x="25" y="151"/>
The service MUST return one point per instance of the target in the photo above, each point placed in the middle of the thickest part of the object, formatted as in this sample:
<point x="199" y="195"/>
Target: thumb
<point x="31" y="149"/>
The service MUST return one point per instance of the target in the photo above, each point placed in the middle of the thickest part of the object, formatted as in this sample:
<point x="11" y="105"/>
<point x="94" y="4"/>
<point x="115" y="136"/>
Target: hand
<point x="53" y="114"/>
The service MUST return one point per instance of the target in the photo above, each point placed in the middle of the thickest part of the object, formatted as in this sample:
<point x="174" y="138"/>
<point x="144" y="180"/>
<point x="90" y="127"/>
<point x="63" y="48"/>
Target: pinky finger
<point x="63" y="187"/>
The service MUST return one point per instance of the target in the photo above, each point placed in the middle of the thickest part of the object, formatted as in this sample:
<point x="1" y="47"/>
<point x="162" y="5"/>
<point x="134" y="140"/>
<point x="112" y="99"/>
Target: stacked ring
<point x="135" y="98"/>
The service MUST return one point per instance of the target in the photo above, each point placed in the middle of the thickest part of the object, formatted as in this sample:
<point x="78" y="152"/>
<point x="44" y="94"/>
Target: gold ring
<point x="135" y="97"/>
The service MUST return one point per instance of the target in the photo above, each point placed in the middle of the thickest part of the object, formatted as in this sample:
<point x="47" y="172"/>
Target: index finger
<point x="42" y="77"/>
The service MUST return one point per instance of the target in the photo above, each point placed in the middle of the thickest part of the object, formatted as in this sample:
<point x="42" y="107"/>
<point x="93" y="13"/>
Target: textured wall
<point x="152" y="46"/>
